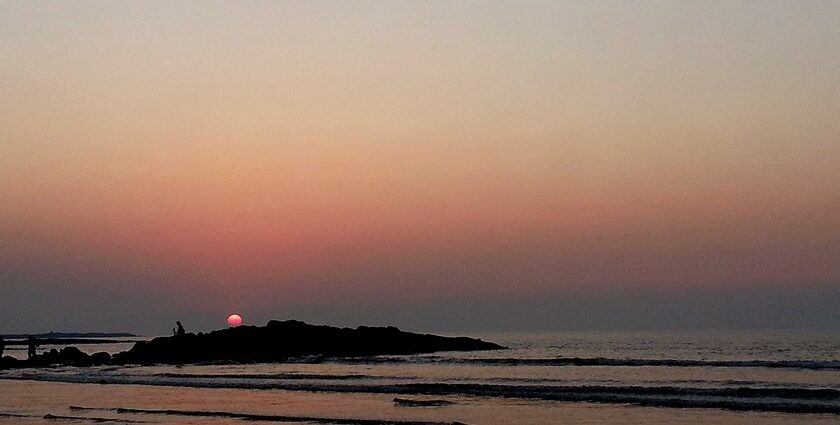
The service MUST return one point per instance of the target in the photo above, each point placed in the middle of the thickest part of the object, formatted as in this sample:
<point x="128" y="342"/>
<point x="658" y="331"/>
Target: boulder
<point x="101" y="358"/>
<point x="9" y="362"/>
<point x="72" y="356"/>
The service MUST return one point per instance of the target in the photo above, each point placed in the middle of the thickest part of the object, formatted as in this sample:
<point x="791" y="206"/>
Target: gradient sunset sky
<point x="432" y="165"/>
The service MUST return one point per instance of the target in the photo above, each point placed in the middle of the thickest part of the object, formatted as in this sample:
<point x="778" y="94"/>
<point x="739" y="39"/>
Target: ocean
<point x="543" y="378"/>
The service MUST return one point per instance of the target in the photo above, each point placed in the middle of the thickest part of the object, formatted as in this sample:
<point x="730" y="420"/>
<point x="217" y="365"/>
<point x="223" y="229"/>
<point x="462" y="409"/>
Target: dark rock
<point x="72" y="356"/>
<point x="47" y="358"/>
<point x="68" y="356"/>
<point x="101" y="358"/>
<point x="281" y="340"/>
<point x="9" y="362"/>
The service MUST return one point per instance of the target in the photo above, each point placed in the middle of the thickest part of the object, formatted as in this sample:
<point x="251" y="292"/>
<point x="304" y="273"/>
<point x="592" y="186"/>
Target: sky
<point x="535" y="165"/>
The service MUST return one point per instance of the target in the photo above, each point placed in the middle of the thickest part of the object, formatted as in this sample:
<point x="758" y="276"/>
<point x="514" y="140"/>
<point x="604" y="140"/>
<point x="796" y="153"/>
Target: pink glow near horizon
<point x="329" y="152"/>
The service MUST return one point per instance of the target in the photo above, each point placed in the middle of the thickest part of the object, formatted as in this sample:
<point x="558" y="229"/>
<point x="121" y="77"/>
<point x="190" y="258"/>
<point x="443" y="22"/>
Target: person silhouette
<point x="180" y="331"/>
<point x="32" y="343"/>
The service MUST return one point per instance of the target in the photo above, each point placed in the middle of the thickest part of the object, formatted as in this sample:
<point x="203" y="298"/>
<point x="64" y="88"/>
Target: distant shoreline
<point x="71" y="341"/>
<point x="65" y="335"/>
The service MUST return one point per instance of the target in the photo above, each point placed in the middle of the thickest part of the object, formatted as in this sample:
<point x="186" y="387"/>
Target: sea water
<point x="691" y="377"/>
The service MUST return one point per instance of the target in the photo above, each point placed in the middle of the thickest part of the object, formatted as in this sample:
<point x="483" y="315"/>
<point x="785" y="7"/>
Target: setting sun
<point x="234" y="320"/>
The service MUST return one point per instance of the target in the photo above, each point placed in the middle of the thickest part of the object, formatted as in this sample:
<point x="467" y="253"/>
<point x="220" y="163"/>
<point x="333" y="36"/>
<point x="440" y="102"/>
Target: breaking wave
<point x="601" y="361"/>
<point x="782" y="399"/>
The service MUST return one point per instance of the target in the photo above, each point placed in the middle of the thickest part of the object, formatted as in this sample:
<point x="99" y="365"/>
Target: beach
<point x="33" y="400"/>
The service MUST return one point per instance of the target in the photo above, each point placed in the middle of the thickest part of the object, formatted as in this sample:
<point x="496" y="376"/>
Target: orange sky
<point x="325" y="152"/>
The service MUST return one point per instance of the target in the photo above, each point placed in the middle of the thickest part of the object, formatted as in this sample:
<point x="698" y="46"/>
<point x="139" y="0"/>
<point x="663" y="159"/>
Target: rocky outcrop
<point x="275" y="342"/>
<point x="281" y="340"/>
<point x="67" y="356"/>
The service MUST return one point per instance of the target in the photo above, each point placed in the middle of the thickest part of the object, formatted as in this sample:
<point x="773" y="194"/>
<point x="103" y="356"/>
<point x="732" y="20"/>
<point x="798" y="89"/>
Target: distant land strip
<point x="50" y="335"/>
<point x="75" y="341"/>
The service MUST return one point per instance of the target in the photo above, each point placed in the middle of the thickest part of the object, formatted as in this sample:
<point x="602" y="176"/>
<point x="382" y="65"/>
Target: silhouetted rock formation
<point x="67" y="356"/>
<point x="275" y="342"/>
<point x="279" y="341"/>
<point x="8" y="362"/>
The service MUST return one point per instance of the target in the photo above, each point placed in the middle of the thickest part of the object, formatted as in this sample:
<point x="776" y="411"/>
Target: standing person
<point x="180" y="331"/>
<point x="32" y="344"/>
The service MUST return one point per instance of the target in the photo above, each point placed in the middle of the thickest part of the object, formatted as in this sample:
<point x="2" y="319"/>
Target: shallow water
<point x="541" y="379"/>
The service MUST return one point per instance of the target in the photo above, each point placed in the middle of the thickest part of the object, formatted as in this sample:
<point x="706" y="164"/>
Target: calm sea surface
<point x="601" y="378"/>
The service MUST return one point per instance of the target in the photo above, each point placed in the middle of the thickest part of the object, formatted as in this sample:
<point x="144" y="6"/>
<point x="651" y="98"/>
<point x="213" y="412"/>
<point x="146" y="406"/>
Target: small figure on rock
<point x="32" y="345"/>
<point x="180" y="331"/>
